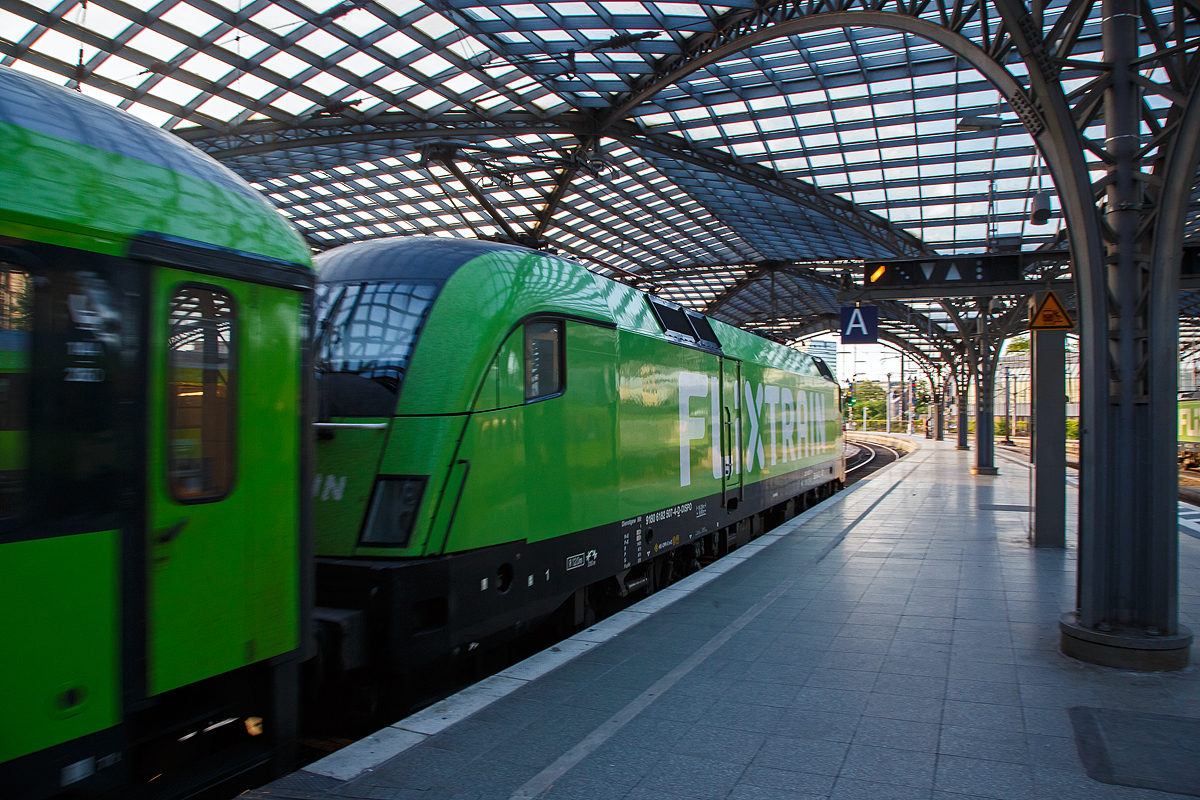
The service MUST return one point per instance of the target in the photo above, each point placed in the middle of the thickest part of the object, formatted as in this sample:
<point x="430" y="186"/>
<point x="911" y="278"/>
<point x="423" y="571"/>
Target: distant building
<point x="824" y="349"/>
<point x="1189" y="371"/>
<point x="1017" y="367"/>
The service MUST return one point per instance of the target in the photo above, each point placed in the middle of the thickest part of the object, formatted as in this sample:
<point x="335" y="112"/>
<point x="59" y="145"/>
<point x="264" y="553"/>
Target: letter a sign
<point x="860" y="324"/>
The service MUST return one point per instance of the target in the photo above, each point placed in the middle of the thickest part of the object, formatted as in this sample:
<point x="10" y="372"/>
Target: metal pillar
<point x="985" y="430"/>
<point x="1048" y="452"/>
<point x="1127" y="607"/>
<point x="912" y="414"/>
<point x="1008" y="426"/>
<point x="962" y="383"/>
<point x="888" y="403"/>
<point x="939" y="424"/>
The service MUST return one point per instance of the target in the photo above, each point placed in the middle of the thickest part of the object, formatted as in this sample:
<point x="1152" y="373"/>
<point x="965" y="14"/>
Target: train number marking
<point x="85" y="349"/>
<point x="83" y="375"/>
<point x="587" y="559"/>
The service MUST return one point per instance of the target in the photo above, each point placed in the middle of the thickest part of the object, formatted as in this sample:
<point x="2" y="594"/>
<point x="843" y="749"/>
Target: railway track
<point x="1189" y="479"/>
<point x="867" y="458"/>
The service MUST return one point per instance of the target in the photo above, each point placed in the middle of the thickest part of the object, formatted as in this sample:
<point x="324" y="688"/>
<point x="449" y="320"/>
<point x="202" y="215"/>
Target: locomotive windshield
<point x="365" y="334"/>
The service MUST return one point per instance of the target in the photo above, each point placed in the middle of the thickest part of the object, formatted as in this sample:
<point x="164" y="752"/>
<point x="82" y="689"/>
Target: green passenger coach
<point x="504" y="435"/>
<point x="153" y="313"/>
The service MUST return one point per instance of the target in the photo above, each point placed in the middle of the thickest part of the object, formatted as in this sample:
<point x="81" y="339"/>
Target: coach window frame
<point x="21" y="261"/>
<point x="561" y="357"/>
<point x="232" y="392"/>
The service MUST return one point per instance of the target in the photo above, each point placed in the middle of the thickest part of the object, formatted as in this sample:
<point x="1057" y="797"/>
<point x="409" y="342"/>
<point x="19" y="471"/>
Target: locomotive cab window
<point x="201" y="330"/>
<point x="543" y="359"/>
<point x="366" y="334"/>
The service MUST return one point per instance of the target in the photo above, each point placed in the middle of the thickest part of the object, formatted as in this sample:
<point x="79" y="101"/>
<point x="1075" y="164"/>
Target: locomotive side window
<point x="16" y="326"/>
<point x="543" y="359"/>
<point x="201" y="331"/>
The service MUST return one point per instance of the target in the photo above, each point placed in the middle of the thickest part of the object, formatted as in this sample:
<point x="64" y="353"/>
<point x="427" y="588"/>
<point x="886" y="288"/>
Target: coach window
<point x="543" y="359"/>
<point x="200" y="448"/>
<point x="16" y="326"/>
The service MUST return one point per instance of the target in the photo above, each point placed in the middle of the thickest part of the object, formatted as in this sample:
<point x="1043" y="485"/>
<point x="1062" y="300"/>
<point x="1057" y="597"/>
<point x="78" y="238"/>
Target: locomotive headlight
<point x="394" y="505"/>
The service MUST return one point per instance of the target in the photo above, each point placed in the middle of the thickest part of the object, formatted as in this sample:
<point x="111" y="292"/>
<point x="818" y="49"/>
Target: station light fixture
<point x="1039" y="214"/>
<point x="980" y="124"/>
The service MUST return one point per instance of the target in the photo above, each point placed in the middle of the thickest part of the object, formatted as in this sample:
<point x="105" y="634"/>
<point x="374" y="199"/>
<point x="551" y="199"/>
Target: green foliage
<point x="1018" y="345"/>
<point x="1073" y="429"/>
<point x="867" y="391"/>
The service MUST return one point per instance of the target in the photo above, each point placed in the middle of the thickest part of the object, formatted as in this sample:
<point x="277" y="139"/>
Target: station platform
<point x="898" y="641"/>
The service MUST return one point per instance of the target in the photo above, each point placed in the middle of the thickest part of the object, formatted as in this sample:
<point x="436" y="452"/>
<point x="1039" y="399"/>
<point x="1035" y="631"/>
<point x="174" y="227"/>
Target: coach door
<point x="731" y="434"/>
<point x="222" y="475"/>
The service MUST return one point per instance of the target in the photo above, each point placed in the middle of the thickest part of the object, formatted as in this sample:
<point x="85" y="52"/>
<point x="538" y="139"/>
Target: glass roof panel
<point x="839" y="144"/>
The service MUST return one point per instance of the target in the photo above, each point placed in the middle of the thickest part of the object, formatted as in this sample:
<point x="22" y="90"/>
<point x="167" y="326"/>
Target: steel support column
<point x="1048" y="451"/>
<point x="985" y="430"/>
<point x="962" y="394"/>
<point x="1127" y="605"/>
<point x="939" y="424"/>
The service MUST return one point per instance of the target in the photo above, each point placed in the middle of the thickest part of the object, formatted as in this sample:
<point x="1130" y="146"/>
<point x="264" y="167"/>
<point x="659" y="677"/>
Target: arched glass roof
<point x="743" y="184"/>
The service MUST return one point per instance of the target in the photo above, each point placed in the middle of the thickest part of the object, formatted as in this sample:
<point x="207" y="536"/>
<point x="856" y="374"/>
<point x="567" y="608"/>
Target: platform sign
<point x="990" y="268"/>
<point x="860" y="324"/>
<point x="1050" y="315"/>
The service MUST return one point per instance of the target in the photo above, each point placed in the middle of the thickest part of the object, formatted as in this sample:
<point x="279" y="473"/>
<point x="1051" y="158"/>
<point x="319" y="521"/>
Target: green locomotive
<point x="503" y="434"/>
<point x="153" y="317"/>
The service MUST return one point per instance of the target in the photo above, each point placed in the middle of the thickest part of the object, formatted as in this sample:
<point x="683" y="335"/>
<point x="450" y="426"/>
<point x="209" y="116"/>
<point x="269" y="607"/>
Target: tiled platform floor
<point x="900" y="643"/>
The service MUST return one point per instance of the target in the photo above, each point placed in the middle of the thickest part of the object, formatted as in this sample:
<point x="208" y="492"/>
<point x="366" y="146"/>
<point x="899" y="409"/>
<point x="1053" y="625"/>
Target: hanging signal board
<point x="952" y="270"/>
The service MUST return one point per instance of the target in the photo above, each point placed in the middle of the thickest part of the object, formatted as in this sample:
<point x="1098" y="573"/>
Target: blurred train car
<point x="153" y="317"/>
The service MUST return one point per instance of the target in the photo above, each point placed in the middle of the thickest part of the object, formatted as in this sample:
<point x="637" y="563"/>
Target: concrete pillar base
<point x="961" y="447"/>
<point x="985" y="470"/>
<point x="1124" y="648"/>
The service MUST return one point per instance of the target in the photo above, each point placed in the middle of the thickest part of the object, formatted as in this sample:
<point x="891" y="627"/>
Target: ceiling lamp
<point x="980" y="124"/>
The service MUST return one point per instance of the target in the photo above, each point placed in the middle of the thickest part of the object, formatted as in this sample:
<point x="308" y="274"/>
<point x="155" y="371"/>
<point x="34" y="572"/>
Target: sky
<point x="869" y="361"/>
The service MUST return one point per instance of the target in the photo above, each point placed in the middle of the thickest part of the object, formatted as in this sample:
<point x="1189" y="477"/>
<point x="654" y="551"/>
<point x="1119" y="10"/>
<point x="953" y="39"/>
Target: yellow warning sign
<point x="1049" y="315"/>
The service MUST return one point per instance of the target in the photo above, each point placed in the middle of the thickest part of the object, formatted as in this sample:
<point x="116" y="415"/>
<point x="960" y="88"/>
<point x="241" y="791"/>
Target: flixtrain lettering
<point x="1189" y="421"/>
<point x="783" y="424"/>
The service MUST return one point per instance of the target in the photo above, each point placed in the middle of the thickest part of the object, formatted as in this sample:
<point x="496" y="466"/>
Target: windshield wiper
<point x="320" y="361"/>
